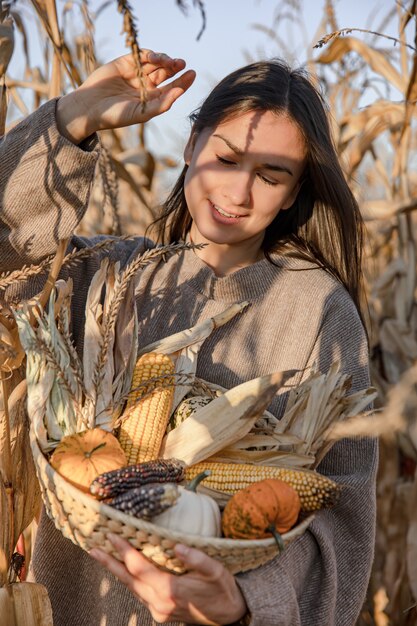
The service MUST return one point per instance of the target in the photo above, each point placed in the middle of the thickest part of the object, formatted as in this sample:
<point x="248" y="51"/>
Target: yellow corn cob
<point x="315" y="490"/>
<point x="143" y="428"/>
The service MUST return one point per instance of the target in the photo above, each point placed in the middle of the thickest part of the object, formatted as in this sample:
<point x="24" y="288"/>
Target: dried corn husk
<point x="54" y="390"/>
<point x="223" y="421"/>
<point x="25" y="604"/>
<point x="301" y="437"/>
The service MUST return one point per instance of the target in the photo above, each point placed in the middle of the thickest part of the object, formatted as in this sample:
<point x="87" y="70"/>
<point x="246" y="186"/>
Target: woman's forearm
<point x="45" y="185"/>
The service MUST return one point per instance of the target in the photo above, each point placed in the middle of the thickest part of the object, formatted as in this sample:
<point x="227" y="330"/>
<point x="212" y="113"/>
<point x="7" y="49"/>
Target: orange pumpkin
<point x="259" y="510"/>
<point x="80" y="458"/>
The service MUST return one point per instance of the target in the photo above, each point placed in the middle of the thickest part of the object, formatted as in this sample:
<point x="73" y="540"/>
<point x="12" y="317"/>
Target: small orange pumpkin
<point x="80" y="458"/>
<point x="259" y="510"/>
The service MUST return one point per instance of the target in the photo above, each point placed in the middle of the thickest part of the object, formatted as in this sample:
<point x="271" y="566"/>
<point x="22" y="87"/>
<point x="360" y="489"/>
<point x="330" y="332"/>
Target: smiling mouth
<point x="224" y="213"/>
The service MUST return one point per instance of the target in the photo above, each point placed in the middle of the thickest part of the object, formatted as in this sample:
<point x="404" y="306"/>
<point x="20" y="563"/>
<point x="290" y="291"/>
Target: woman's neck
<point x="225" y="259"/>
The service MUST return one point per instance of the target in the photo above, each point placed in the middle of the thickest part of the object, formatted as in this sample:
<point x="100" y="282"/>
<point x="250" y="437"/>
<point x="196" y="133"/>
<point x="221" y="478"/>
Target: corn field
<point x="370" y="81"/>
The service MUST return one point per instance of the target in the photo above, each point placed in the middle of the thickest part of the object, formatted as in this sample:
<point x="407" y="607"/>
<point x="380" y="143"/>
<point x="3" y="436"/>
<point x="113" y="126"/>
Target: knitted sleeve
<point x="45" y="187"/>
<point x="321" y="578"/>
<point x="45" y="184"/>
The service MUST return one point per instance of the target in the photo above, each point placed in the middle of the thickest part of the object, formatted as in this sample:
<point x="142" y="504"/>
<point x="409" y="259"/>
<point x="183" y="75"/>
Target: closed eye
<point x="229" y="163"/>
<point x="268" y="181"/>
<point x="224" y="161"/>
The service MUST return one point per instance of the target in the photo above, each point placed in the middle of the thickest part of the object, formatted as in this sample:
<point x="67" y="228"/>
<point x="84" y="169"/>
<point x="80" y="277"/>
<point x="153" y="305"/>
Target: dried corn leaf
<point x="355" y="122"/>
<point x="11" y="351"/>
<point x="263" y="457"/>
<point x="386" y="279"/>
<point x="315" y="405"/>
<point x="398" y="348"/>
<point x="410" y="278"/>
<point x="363" y="141"/>
<point x="411" y="95"/>
<point x="261" y="440"/>
<point x="376" y="60"/>
<point x="26" y="493"/>
<point x="196" y="334"/>
<point x="125" y="346"/>
<point x="6" y="549"/>
<point x="6" y="44"/>
<point x="411" y="551"/>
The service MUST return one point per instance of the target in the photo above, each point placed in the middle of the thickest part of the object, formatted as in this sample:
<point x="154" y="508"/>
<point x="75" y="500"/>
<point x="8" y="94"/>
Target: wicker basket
<point x="86" y="522"/>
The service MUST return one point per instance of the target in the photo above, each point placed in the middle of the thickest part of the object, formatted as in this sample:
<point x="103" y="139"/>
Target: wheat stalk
<point x="75" y="360"/>
<point x="129" y="28"/>
<point x="40" y="346"/>
<point x="129" y="272"/>
<point x="199" y="3"/>
<point x="110" y="183"/>
<point x="70" y="260"/>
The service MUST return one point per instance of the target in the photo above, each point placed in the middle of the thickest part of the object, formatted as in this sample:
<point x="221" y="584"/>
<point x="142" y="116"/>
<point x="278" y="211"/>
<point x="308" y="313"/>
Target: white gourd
<point x="193" y="513"/>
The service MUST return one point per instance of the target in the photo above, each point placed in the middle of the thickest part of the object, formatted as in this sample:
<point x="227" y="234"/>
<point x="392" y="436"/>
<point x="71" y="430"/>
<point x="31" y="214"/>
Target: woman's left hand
<point x="206" y="594"/>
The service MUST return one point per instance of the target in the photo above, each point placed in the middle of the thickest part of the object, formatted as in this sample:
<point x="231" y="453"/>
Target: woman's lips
<point x="222" y="216"/>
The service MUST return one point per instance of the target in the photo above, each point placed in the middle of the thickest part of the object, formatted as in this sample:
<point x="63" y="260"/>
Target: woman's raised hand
<point x="110" y="97"/>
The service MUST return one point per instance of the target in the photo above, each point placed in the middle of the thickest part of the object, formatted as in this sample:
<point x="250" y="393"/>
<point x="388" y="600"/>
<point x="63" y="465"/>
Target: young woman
<point x="263" y="189"/>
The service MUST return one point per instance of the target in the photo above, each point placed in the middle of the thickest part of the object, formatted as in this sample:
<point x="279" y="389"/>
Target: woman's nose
<point x="237" y="188"/>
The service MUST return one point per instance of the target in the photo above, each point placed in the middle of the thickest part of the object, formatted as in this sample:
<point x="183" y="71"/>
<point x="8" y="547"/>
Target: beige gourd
<point x="193" y="513"/>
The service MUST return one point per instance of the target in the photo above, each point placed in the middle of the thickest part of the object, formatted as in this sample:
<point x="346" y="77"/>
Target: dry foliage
<point x="370" y="80"/>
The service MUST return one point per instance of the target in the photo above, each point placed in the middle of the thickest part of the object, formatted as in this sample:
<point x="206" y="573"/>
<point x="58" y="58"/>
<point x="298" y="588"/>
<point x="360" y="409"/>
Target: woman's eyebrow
<point x="239" y="152"/>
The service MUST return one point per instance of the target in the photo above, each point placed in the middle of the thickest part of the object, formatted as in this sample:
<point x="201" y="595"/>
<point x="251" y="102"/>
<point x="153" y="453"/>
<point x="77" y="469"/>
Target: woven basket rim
<point x="140" y="524"/>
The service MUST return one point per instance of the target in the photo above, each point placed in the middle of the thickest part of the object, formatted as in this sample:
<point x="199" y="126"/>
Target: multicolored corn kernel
<point x="111" y="484"/>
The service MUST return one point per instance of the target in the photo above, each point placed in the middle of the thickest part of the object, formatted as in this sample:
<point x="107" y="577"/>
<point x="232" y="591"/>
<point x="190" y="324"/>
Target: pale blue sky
<point x="229" y="40"/>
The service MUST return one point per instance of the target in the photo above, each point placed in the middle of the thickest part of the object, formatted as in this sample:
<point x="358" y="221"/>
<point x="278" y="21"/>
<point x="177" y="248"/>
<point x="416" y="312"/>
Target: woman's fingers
<point x="157" y="61"/>
<point x="156" y="67"/>
<point x="156" y="73"/>
<point x="162" y="98"/>
<point x="113" y="565"/>
<point x="144" y="579"/>
<point x="197" y="561"/>
<point x="182" y="83"/>
<point x="135" y="562"/>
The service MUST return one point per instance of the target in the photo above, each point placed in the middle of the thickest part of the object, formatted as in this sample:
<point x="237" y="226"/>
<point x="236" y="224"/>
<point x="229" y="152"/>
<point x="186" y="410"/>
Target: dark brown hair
<point x="324" y="223"/>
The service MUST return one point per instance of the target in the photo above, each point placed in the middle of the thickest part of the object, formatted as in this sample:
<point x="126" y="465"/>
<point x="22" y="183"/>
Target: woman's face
<point x="240" y="175"/>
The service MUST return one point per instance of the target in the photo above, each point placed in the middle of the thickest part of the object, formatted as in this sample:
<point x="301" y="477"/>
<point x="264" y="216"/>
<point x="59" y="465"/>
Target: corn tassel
<point x="315" y="490"/>
<point x="143" y="427"/>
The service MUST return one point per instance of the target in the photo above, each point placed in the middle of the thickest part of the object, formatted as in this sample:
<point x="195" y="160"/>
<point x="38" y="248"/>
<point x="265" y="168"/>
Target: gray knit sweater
<point x="298" y="315"/>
